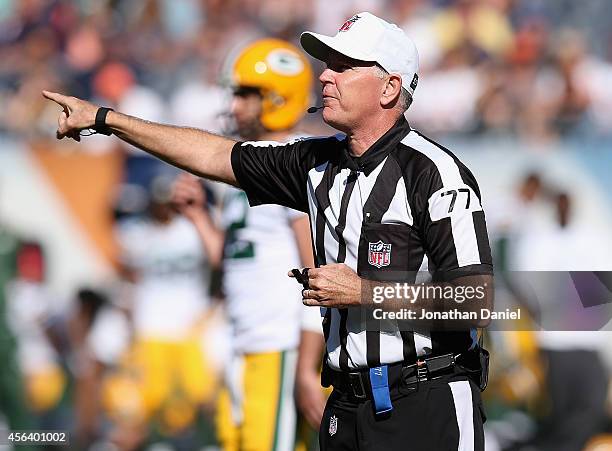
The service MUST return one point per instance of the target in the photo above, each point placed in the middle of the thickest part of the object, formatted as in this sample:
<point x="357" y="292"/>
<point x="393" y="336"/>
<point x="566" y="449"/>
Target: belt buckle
<point x="439" y="364"/>
<point x="356" y="384"/>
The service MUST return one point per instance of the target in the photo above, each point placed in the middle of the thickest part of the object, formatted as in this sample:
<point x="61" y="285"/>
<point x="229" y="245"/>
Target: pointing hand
<point x="77" y="115"/>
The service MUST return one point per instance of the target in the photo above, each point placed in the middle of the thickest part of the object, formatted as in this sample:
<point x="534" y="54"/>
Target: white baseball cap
<point x="365" y="37"/>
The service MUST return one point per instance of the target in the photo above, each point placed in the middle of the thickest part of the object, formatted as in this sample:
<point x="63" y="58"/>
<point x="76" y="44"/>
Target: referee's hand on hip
<point x="334" y="285"/>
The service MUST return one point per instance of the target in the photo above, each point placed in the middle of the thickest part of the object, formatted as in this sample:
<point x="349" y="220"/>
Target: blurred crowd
<point x="536" y="70"/>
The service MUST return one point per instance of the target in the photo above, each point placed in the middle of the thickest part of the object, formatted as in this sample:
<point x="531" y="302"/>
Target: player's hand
<point x="77" y="115"/>
<point x="334" y="285"/>
<point x="310" y="397"/>
<point x="188" y="195"/>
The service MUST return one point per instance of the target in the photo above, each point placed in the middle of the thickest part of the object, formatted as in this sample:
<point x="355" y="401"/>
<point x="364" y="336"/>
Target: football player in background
<point x="271" y="81"/>
<point x="165" y="375"/>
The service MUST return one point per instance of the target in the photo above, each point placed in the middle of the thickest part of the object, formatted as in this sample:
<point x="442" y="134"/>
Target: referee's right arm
<point x="201" y="153"/>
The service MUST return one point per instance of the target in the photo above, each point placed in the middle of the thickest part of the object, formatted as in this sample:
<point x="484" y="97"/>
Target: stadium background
<point x="519" y="89"/>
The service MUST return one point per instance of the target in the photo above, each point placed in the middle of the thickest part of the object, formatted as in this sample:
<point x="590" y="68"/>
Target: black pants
<point x="443" y="414"/>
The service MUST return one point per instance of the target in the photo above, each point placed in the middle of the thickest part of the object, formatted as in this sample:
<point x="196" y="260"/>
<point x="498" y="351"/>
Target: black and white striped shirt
<point x="406" y="191"/>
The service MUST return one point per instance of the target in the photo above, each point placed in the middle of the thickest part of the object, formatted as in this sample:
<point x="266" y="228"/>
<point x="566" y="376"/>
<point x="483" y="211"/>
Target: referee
<point x="384" y="202"/>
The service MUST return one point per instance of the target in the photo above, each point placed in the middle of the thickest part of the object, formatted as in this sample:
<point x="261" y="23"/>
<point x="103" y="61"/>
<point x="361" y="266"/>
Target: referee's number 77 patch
<point x="448" y="202"/>
<point x="453" y="192"/>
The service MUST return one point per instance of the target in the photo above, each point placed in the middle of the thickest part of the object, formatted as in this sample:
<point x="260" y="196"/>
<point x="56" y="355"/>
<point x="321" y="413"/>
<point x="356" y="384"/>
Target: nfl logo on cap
<point x="346" y="25"/>
<point x="365" y="37"/>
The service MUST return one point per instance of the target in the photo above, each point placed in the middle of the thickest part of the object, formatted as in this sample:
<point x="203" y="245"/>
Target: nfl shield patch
<point x="379" y="254"/>
<point x="333" y="425"/>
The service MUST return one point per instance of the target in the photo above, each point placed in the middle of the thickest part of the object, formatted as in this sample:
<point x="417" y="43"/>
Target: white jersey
<point x="264" y="305"/>
<point x="29" y="307"/>
<point x="171" y="293"/>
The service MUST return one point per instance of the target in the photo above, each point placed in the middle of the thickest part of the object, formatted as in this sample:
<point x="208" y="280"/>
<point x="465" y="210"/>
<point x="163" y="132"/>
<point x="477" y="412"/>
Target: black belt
<point x="356" y="384"/>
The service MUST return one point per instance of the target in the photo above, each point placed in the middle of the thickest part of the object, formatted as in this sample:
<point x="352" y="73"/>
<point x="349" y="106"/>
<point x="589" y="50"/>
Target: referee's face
<point x="351" y="89"/>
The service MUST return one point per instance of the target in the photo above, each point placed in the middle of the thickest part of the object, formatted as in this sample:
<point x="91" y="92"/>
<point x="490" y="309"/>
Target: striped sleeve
<point x="272" y="173"/>
<point x="453" y="221"/>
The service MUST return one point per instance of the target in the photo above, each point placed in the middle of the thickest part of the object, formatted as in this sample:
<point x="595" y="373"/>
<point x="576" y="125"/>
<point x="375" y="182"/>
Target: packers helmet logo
<point x="349" y="23"/>
<point x="285" y="62"/>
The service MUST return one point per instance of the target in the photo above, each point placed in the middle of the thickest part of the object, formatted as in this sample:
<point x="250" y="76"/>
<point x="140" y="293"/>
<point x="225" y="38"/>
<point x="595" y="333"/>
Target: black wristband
<point x="100" y="124"/>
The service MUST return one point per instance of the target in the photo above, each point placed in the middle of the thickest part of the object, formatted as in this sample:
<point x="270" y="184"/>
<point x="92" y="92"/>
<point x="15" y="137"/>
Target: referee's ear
<point x="391" y="92"/>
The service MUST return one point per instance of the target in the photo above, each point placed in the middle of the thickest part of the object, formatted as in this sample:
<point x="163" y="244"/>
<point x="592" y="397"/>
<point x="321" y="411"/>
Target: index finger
<point x="58" y="98"/>
<point x="313" y="273"/>
<point x="315" y="303"/>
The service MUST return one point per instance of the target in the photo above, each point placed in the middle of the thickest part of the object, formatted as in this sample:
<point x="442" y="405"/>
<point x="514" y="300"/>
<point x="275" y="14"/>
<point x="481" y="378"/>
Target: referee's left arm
<point x="339" y="286"/>
<point x="460" y="301"/>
